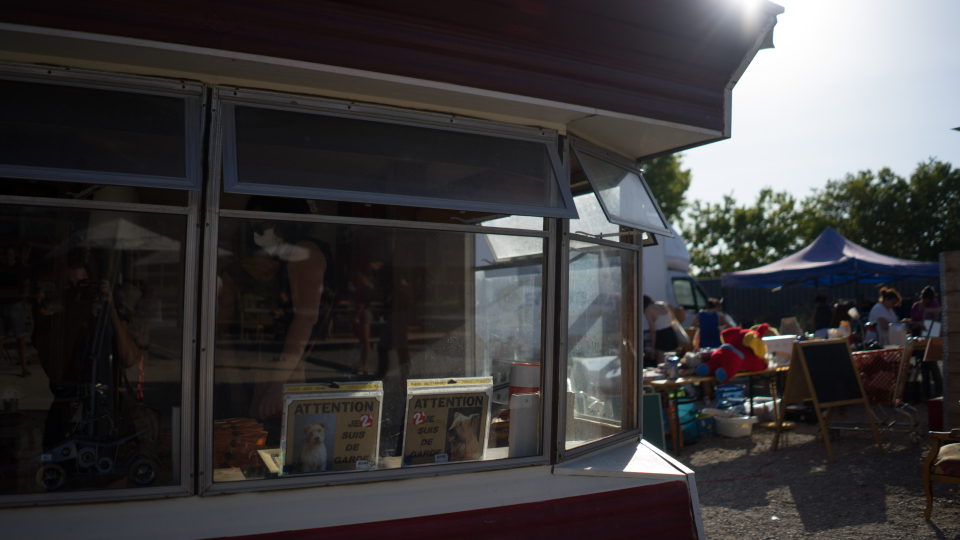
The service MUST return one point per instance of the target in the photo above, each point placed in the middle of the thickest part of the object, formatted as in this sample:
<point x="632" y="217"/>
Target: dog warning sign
<point x="330" y="428"/>
<point x="446" y="420"/>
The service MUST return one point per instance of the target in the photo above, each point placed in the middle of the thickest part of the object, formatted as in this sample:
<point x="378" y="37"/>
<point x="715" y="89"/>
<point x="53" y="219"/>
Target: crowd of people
<point x="873" y="330"/>
<point x="889" y="309"/>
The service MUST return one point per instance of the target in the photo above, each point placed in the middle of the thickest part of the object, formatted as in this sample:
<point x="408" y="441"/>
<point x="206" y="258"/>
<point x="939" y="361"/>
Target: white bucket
<point x="731" y="425"/>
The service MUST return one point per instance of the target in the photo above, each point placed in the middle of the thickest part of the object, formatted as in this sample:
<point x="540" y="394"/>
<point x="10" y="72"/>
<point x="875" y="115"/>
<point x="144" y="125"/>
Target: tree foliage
<point x="726" y="237"/>
<point x="913" y="219"/>
<point x="669" y="183"/>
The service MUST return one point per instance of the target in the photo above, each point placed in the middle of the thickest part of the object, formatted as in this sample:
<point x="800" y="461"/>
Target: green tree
<point x="726" y="237"/>
<point x="669" y="183"/>
<point x="912" y="219"/>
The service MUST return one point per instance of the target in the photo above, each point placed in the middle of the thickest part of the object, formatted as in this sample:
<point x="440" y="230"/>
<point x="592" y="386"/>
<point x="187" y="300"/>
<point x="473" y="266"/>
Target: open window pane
<point x="319" y="303"/>
<point x="623" y="195"/>
<point x="601" y="357"/>
<point x="302" y="154"/>
<point x="592" y="220"/>
<point x="59" y="132"/>
<point x="93" y="302"/>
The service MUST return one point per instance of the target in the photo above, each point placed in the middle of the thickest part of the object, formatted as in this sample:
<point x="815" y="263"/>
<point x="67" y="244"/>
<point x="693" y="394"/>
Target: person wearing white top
<point x="659" y="321"/>
<point x="882" y="314"/>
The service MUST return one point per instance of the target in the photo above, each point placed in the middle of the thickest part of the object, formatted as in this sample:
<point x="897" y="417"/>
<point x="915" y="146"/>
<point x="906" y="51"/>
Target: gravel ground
<point x="800" y="493"/>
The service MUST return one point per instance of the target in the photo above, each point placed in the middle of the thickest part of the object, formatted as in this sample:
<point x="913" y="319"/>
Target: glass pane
<point x="623" y="193"/>
<point x="73" y="191"/>
<point x="592" y="219"/>
<point x="310" y="151"/>
<point x="91" y="129"/>
<point x="683" y="292"/>
<point x="601" y="362"/>
<point x="92" y="311"/>
<point x="701" y="300"/>
<point x="320" y="303"/>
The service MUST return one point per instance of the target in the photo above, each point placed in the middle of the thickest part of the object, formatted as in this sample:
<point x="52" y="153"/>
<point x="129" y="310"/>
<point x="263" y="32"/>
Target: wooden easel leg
<point x="873" y="424"/>
<point x="779" y="420"/>
<point x="824" y="434"/>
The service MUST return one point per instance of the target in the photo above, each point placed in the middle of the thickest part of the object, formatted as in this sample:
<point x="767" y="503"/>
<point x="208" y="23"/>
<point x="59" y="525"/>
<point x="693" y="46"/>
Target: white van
<point x="666" y="276"/>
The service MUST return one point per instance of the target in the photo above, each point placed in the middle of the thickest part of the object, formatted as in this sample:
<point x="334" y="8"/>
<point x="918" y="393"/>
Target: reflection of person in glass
<point x="81" y="345"/>
<point x="290" y="270"/>
<point x="14" y="284"/>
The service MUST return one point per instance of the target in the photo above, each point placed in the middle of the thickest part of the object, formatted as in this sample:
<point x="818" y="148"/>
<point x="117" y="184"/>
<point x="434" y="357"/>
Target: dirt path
<point x="747" y="491"/>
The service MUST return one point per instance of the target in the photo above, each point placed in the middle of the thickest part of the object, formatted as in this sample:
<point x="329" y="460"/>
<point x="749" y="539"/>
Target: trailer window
<point x="93" y="308"/>
<point x="348" y="152"/>
<point x="301" y="300"/>
<point x="601" y="358"/>
<point x="623" y="194"/>
<point x="57" y="125"/>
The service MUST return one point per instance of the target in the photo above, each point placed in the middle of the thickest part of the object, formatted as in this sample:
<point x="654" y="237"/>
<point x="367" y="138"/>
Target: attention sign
<point x="330" y="428"/>
<point x="446" y="420"/>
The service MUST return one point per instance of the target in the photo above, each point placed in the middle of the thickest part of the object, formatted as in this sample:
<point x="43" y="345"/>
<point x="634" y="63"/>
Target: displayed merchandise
<point x="446" y="420"/>
<point x="329" y="428"/>
<point x="735" y="426"/>
<point x="524" y="437"/>
<point x="730" y="423"/>
<point x="779" y="349"/>
<point x="237" y="443"/>
<point x="742" y="349"/>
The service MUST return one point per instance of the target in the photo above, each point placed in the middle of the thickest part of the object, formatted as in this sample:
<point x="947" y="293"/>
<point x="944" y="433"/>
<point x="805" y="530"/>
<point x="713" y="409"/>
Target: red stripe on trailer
<point x="660" y="511"/>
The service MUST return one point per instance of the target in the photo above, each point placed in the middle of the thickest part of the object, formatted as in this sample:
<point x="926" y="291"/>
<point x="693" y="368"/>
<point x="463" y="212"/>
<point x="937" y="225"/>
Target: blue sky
<point x="851" y="85"/>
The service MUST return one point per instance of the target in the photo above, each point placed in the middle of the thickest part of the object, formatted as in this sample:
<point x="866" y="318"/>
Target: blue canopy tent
<point x="831" y="260"/>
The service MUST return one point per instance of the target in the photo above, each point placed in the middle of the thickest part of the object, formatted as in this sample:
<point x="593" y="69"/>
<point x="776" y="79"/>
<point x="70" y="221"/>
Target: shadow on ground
<point x="747" y="490"/>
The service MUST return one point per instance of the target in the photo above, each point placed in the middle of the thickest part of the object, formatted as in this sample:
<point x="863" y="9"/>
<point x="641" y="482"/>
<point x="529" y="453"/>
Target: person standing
<point x="14" y="284"/>
<point x="662" y="337"/>
<point x="883" y="315"/>
<point x="919" y="312"/>
<point x="709" y="323"/>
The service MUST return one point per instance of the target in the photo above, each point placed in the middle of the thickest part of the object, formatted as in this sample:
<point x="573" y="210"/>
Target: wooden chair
<point x="942" y="463"/>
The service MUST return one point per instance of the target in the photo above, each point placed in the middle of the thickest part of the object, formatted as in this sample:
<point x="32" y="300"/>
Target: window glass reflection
<point x="75" y="191"/>
<point x="302" y="302"/>
<point x="91" y="306"/>
<point x="623" y="192"/>
<point x="601" y="355"/>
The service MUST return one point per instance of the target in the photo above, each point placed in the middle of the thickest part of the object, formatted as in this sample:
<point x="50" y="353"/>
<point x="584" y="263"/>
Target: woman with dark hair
<point x="924" y="309"/>
<point x="882" y="313"/>
<point x="662" y="338"/>
<point x="709" y="323"/>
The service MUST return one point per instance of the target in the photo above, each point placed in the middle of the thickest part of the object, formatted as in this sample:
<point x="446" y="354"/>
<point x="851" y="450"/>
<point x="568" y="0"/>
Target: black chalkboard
<point x="832" y="373"/>
<point x="823" y="371"/>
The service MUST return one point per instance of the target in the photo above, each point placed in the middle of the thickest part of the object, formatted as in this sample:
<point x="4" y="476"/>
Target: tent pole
<point x="856" y="302"/>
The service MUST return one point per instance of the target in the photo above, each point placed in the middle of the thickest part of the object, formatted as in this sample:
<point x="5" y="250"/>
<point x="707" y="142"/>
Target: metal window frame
<point x="187" y="367"/>
<point x="581" y="146"/>
<point x="190" y="91"/>
<point x="385" y="114"/>
<point x="633" y="245"/>
<point x="208" y="300"/>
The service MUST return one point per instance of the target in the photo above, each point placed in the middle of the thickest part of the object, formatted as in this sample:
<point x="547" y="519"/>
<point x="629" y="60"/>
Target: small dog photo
<point x="313" y="438"/>
<point x="464" y="434"/>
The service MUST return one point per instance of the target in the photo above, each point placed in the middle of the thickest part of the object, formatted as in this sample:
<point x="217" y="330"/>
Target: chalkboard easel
<point x="824" y="372"/>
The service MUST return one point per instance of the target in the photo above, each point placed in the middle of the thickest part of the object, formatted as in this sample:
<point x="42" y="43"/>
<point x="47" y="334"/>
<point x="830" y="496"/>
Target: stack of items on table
<point x="742" y="349"/>
<point x="236" y="442"/>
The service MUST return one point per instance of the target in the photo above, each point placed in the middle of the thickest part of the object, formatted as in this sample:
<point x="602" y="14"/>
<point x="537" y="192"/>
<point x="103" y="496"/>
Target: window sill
<point x="638" y="460"/>
<point x="630" y="459"/>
